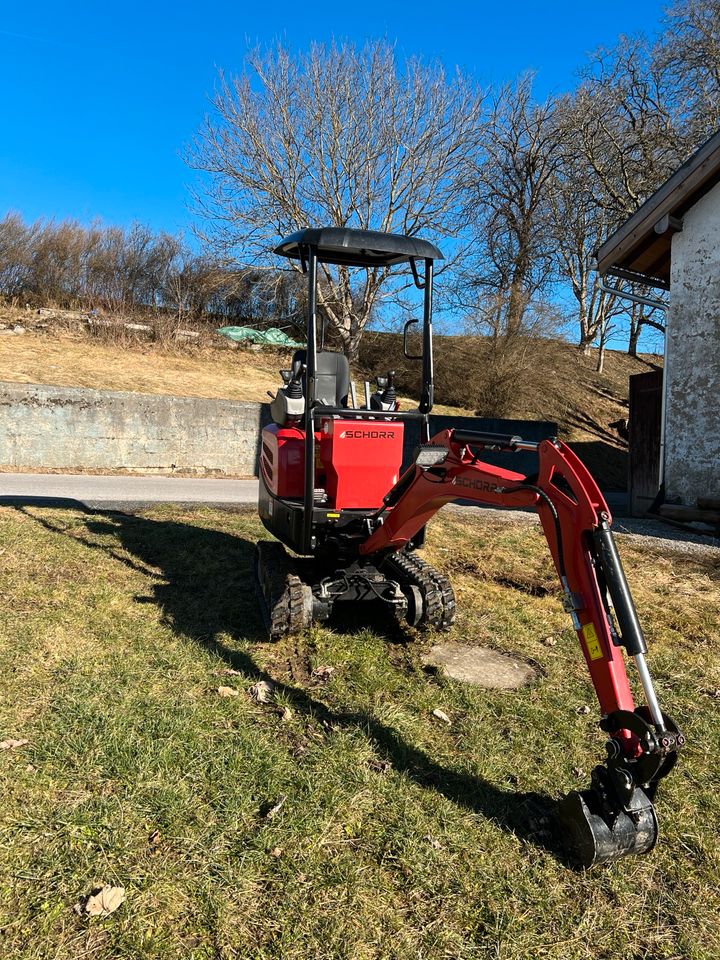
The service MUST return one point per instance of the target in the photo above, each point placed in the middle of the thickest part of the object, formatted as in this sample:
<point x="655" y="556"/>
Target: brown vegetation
<point x="544" y="379"/>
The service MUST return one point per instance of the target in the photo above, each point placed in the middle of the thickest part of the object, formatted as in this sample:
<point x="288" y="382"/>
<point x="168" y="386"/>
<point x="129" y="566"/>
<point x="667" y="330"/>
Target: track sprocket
<point x="437" y="594"/>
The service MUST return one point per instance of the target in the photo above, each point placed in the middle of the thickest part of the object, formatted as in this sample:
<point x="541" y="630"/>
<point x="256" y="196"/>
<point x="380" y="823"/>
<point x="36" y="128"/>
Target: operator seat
<point x="332" y="377"/>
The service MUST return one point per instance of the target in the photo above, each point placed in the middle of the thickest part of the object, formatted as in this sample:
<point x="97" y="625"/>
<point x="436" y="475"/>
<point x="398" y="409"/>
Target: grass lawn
<point x="399" y="836"/>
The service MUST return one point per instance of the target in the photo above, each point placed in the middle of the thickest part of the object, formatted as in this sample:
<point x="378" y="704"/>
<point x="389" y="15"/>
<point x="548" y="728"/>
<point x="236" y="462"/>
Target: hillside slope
<point x="553" y="381"/>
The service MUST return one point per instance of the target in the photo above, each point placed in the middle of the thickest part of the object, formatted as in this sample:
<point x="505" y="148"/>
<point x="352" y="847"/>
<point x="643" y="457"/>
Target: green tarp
<point x="270" y="338"/>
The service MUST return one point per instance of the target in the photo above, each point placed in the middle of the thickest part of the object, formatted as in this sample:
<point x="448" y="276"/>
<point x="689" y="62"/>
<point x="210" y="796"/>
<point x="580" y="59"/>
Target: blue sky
<point x="97" y="100"/>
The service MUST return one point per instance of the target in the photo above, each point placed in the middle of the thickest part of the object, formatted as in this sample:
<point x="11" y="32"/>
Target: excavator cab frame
<point x="372" y="250"/>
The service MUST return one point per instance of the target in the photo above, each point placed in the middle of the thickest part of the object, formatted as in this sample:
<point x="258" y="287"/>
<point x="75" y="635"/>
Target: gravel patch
<point x="664" y="538"/>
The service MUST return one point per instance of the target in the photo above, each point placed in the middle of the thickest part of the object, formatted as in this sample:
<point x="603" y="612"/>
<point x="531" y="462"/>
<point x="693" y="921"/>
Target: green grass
<point x="400" y="837"/>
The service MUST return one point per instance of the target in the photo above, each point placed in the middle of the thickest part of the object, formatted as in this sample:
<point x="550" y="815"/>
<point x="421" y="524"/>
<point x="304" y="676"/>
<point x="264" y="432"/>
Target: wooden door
<point x="644" y="428"/>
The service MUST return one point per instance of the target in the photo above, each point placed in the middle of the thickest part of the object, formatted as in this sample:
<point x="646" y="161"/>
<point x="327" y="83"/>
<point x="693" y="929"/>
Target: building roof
<point x="366" y="248"/>
<point x="641" y="246"/>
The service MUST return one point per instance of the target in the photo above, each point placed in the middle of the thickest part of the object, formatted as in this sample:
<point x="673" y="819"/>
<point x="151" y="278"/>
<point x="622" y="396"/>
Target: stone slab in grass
<point x="481" y="666"/>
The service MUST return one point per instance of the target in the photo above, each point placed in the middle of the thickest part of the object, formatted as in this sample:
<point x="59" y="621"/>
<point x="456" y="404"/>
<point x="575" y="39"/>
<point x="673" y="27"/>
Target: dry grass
<point x="564" y="387"/>
<point x="399" y="837"/>
<point x="72" y="360"/>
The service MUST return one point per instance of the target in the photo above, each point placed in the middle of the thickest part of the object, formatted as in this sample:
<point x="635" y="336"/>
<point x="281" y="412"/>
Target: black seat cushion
<point x="332" y="377"/>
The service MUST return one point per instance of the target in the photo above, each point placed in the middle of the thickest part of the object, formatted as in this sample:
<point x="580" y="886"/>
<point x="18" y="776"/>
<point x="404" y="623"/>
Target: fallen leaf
<point x="262" y="691"/>
<point x="155" y="839"/>
<point x="441" y="715"/>
<point x="11" y="744"/>
<point x="286" y="715"/>
<point x="323" y="674"/>
<point x="268" y="811"/>
<point x="583" y="710"/>
<point x="549" y="641"/>
<point x="276" y="852"/>
<point x="227" y="692"/>
<point x="100" y="902"/>
<point x="580" y="774"/>
<point x="228" y="672"/>
<point x="379" y="766"/>
<point x="435" y="844"/>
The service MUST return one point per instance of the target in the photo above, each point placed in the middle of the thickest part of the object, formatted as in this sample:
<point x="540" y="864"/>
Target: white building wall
<point x="692" y="435"/>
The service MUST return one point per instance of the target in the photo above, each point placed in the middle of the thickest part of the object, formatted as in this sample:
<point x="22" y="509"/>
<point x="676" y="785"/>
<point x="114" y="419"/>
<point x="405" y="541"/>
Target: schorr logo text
<point x="368" y="434"/>
<point x="481" y="485"/>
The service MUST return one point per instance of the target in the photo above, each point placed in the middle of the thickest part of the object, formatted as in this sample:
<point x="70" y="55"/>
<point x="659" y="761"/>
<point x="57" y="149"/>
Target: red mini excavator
<point x="331" y="490"/>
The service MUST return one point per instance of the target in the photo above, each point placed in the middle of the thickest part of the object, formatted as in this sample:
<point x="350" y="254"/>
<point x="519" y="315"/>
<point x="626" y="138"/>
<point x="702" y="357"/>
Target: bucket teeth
<point x="594" y="835"/>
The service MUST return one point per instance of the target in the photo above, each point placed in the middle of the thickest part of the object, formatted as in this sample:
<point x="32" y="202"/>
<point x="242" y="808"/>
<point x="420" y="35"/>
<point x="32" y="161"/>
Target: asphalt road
<point x="123" y="492"/>
<point x="127" y="492"/>
<point x="139" y="493"/>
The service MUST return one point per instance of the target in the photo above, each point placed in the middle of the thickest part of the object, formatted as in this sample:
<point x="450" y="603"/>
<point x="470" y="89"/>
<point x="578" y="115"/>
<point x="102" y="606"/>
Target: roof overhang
<point x="640" y="248"/>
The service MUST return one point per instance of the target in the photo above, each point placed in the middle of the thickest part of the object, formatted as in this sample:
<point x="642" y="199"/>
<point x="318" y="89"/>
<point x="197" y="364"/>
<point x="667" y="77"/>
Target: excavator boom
<point x="616" y="815"/>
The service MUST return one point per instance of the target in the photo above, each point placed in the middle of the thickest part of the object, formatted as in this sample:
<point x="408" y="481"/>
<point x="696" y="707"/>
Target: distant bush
<point x="136" y="270"/>
<point x="488" y="376"/>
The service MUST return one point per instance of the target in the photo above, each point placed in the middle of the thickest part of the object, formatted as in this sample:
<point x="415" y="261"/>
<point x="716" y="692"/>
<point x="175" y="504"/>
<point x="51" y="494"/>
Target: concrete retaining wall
<point x="45" y="426"/>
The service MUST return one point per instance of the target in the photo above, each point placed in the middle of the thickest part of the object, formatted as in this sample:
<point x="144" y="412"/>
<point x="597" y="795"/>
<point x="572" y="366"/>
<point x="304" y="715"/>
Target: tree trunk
<point x="636" y="322"/>
<point x="351" y="346"/>
<point x="601" y="357"/>
<point x="633" y="340"/>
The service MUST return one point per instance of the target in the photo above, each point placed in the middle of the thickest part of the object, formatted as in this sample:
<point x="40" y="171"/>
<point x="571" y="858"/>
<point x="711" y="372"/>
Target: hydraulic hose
<point x="553" y="513"/>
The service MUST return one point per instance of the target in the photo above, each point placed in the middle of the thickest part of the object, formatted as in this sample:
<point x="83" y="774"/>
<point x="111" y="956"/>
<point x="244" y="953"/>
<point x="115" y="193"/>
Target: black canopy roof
<point x="361" y="248"/>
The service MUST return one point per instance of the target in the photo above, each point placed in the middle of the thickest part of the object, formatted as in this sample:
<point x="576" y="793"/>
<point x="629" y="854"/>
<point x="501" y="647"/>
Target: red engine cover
<point x="282" y="460"/>
<point x="361" y="460"/>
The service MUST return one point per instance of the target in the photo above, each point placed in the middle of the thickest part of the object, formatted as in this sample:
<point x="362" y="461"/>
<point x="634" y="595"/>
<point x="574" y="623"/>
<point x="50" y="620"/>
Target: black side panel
<point x="283" y="520"/>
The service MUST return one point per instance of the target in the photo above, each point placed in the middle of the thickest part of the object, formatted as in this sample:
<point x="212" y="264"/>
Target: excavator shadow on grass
<point x="201" y="581"/>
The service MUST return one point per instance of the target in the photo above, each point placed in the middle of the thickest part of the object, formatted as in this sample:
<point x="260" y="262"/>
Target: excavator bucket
<point x="592" y="835"/>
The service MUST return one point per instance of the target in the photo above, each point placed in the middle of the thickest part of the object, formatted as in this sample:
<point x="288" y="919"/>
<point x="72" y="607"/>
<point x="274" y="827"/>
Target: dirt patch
<point x="480" y="666"/>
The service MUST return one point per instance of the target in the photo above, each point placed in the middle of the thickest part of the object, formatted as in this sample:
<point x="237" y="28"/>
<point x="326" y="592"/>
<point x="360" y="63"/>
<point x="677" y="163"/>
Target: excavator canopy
<point x="357" y="248"/>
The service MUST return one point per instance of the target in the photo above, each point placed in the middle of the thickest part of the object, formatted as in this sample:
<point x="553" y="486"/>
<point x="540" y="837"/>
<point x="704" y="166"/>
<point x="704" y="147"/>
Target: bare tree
<point x="629" y="137"/>
<point x="640" y="316"/>
<point x="513" y="260"/>
<point x="626" y="126"/>
<point x="578" y="226"/>
<point x="689" y="55"/>
<point x="16" y="247"/>
<point x="338" y="136"/>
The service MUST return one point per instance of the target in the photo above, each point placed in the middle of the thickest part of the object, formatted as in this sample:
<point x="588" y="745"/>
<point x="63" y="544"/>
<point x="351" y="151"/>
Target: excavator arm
<point x="615" y="816"/>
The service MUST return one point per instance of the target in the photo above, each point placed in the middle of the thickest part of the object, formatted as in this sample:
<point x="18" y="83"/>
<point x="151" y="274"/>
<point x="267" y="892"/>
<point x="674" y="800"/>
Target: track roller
<point x="429" y="594"/>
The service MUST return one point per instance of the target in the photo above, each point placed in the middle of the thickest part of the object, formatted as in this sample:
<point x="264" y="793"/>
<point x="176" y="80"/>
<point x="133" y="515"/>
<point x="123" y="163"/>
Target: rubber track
<point x="436" y="589"/>
<point x="281" y="592"/>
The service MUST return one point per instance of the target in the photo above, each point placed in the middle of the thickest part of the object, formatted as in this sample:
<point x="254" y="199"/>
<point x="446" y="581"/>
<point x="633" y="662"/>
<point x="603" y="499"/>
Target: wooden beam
<point x="697" y="175"/>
